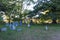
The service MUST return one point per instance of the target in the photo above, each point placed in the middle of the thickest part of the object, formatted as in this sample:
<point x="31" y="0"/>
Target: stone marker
<point x="13" y="27"/>
<point x="20" y="23"/>
<point x="28" y="25"/>
<point x="19" y="29"/>
<point x="4" y="29"/>
<point x="46" y="27"/>
<point x="16" y="23"/>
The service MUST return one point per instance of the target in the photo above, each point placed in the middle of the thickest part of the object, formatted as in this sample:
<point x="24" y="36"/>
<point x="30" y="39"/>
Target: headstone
<point x="20" y="23"/>
<point x="7" y="24"/>
<point x="19" y="29"/>
<point x="13" y="27"/>
<point x="4" y="29"/>
<point x="16" y="23"/>
<point x="46" y="27"/>
<point x="28" y="25"/>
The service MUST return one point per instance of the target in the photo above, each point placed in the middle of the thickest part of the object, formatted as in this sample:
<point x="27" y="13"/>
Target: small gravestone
<point x="16" y="23"/>
<point x="20" y="23"/>
<point x="7" y="24"/>
<point x="4" y="29"/>
<point x="13" y="27"/>
<point x="46" y="27"/>
<point x="19" y="29"/>
<point x="28" y="25"/>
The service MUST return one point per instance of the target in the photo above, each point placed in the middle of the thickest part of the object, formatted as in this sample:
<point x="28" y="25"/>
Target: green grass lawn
<point x="35" y="32"/>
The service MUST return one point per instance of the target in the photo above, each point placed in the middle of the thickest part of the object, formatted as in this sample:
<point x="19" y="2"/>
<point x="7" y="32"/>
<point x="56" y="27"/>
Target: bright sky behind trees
<point x="29" y="5"/>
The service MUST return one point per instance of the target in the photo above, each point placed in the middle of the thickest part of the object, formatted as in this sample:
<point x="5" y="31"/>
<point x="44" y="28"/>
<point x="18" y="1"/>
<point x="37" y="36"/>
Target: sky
<point x="30" y="6"/>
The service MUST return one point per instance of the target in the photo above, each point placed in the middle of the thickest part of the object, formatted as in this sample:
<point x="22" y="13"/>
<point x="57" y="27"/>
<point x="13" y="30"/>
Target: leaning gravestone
<point x="4" y="29"/>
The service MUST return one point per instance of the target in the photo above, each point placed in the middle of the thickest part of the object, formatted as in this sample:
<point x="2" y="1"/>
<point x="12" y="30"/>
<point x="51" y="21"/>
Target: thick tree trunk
<point x="54" y="21"/>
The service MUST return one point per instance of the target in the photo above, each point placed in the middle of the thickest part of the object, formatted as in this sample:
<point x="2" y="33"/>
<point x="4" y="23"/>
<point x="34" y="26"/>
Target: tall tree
<point x="51" y="5"/>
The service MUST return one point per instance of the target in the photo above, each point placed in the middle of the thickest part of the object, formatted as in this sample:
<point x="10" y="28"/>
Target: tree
<point x="53" y="7"/>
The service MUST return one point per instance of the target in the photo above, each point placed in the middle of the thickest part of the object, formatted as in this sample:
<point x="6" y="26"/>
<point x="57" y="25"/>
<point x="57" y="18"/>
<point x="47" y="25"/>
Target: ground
<point x="35" y="32"/>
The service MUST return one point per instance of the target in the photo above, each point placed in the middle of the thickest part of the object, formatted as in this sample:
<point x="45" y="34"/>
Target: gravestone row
<point x="13" y="26"/>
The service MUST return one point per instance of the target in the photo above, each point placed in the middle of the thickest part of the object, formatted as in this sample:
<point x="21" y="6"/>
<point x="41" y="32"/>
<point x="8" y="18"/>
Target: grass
<point x="35" y="32"/>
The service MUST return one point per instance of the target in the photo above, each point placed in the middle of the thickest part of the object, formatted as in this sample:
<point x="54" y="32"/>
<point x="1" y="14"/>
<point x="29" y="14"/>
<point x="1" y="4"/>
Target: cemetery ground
<point x="35" y="32"/>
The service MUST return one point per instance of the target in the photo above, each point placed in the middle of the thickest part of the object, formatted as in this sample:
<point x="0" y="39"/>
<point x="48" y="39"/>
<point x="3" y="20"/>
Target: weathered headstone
<point x="20" y="23"/>
<point x="12" y="27"/>
<point x="16" y="23"/>
<point x="19" y="29"/>
<point x="4" y="29"/>
<point x="28" y="25"/>
<point x="46" y="27"/>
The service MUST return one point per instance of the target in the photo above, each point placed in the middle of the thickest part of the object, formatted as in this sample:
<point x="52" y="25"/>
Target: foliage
<point x="53" y="7"/>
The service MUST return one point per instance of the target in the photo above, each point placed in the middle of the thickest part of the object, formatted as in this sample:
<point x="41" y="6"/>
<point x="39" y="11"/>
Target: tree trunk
<point x="54" y="21"/>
